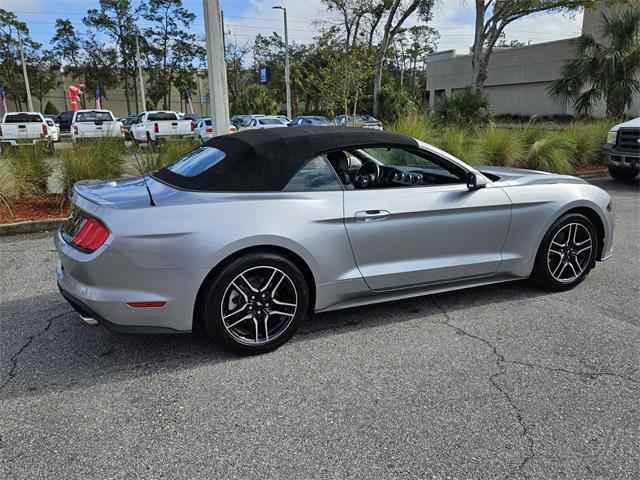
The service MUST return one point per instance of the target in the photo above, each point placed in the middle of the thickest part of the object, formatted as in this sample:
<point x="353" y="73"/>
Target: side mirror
<point x="474" y="182"/>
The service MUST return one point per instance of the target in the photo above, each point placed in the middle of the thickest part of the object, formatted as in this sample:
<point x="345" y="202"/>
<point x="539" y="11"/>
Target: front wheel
<point x="567" y="253"/>
<point x="622" y="174"/>
<point x="256" y="303"/>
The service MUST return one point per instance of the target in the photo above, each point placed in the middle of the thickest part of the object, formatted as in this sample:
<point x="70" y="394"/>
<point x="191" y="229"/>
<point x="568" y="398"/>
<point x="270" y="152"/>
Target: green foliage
<point x="464" y="108"/>
<point x="552" y="153"/>
<point x="29" y="168"/>
<point x="50" y="109"/>
<point x="100" y="158"/>
<point x="499" y="146"/>
<point x="458" y="142"/>
<point x="588" y="139"/>
<point x="256" y="99"/>
<point x="415" y="125"/>
<point x="609" y="70"/>
<point x="394" y="103"/>
<point x="8" y="189"/>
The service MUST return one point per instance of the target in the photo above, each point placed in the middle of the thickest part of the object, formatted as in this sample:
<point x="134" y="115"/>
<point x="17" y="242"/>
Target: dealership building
<point x="518" y="77"/>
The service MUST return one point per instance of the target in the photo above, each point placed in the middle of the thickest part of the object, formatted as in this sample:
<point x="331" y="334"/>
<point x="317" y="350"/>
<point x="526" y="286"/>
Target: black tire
<point x="622" y="174"/>
<point x="256" y="267"/>
<point x="542" y="275"/>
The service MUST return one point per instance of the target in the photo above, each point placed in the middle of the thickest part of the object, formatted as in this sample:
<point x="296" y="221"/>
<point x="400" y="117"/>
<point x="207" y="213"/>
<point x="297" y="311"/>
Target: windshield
<point x="405" y="160"/>
<point x="159" y="116"/>
<point x="23" y="118"/>
<point x="94" y="117"/>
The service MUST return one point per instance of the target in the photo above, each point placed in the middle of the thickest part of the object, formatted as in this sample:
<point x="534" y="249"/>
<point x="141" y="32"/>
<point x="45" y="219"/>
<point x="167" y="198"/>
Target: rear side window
<point x="94" y="117"/>
<point x="317" y="174"/>
<point x="269" y="121"/>
<point x="196" y="161"/>
<point x="159" y="116"/>
<point x="22" y="118"/>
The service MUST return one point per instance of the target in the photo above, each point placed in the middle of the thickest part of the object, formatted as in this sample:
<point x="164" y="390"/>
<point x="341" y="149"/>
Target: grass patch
<point x="161" y="155"/>
<point x="420" y="126"/>
<point x="8" y="189"/>
<point x="458" y="142"/>
<point x="588" y="139"/>
<point x="552" y="153"/>
<point x="29" y="168"/>
<point x="499" y="147"/>
<point x="100" y="159"/>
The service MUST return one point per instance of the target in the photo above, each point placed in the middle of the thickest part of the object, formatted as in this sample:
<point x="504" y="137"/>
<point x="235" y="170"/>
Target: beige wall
<point x="518" y="77"/>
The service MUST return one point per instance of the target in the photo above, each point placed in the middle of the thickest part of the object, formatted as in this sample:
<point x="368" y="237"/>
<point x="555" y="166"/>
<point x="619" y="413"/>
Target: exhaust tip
<point x="90" y="321"/>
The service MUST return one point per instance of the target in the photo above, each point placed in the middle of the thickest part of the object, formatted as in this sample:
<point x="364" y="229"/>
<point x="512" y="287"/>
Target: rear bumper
<point x="18" y="143"/>
<point x="100" y="285"/>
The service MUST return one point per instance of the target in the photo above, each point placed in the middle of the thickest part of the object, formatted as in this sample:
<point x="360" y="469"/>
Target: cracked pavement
<point x="494" y="382"/>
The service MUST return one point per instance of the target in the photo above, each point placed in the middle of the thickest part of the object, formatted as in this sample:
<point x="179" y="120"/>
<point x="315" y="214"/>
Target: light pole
<point x="287" y="78"/>
<point x="24" y="72"/>
<point x="216" y="65"/>
<point x="142" y="95"/>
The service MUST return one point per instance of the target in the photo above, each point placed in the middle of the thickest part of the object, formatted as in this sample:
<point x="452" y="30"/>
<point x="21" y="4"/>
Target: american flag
<point x="98" y="102"/>
<point x="187" y="98"/>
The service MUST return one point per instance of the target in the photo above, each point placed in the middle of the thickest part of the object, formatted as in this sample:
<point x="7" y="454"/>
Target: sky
<point x="246" y="18"/>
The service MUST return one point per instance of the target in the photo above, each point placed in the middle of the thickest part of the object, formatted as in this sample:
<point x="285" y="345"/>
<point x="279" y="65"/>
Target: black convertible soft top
<point x="267" y="159"/>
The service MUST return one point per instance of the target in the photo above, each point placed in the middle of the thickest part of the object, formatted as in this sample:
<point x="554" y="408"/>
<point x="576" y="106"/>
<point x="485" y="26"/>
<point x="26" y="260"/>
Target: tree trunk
<point x="477" y="82"/>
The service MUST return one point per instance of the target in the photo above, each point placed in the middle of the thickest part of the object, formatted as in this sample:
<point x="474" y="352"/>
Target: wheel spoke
<point x="555" y="251"/>
<point x="273" y="292"/>
<point x="255" y="324"/>
<point x="574" y="263"/>
<point x="251" y="287"/>
<point x="244" y="295"/>
<point x="587" y="248"/>
<point x="579" y="244"/>
<point x="266" y="328"/>
<point x="555" y="271"/>
<point x="284" y="304"/>
<point x="246" y="317"/>
<point x="276" y="312"/>
<point x="266" y="285"/>
<point x="575" y="273"/>
<point x="235" y="312"/>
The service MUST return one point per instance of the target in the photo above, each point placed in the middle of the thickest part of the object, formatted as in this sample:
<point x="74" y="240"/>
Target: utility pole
<point x="26" y="77"/>
<point x="287" y="78"/>
<point x="216" y="65"/>
<point x="142" y="95"/>
<point x="64" y="88"/>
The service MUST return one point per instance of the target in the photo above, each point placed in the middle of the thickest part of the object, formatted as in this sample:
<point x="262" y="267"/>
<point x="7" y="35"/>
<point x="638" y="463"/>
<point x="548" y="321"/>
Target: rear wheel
<point x="622" y="174"/>
<point x="567" y="253"/>
<point x="256" y="303"/>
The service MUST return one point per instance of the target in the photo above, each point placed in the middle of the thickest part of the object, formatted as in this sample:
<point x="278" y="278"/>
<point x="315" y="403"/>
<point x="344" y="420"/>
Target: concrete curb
<point x="593" y="174"/>
<point x="31" y="226"/>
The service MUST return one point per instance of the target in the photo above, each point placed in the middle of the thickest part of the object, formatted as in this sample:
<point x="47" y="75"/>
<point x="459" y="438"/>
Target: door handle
<point x="371" y="215"/>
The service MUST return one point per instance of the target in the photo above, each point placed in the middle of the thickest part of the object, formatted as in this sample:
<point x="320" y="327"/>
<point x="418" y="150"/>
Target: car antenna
<point x="143" y="174"/>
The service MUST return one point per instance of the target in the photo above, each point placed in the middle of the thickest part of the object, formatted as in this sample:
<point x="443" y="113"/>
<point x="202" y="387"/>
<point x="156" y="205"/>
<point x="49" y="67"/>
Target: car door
<point x="410" y="235"/>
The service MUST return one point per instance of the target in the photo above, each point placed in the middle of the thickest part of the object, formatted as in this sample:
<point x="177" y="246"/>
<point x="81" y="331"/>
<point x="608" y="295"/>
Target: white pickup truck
<point x="95" y="123"/>
<point x="24" y="128"/>
<point x="157" y="125"/>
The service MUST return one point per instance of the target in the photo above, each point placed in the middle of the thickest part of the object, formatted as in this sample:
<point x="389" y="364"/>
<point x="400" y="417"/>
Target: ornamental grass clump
<point x="29" y="168"/>
<point x="500" y="147"/>
<point x="100" y="159"/>
<point x="417" y="125"/>
<point x="552" y="153"/>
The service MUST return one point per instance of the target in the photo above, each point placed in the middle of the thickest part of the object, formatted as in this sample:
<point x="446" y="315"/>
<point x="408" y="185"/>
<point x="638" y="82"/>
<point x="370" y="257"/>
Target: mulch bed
<point x="591" y="167"/>
<point x="34" y="207"/>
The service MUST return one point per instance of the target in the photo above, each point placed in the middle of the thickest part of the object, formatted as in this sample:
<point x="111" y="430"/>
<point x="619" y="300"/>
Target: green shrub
<point x="8" y="189"/>
<point x="464" y="108"/>
<point x="588" y="139"/>
<point x="29" y="168"/>
<point x="256" y="99"/>
<point x="458" y="142"/>
<point x="499" y="146"/>
<point x="100" y="158"/>
<point x="394" y="104"/>
<point x="531" y="134"/>
<point x="415" y="125"/>
<point x="552" y="153"/>
<point x="50" y="109"/>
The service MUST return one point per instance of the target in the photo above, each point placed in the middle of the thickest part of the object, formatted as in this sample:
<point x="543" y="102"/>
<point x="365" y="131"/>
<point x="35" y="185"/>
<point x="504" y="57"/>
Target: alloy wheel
<point x="258" y="305"/>
<point x="569" y="252"/>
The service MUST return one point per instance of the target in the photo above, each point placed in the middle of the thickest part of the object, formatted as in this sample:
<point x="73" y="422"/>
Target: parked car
<point x="315" y="120"/>
<point x="266" y="122"/>
<point x="95" y="124"/>
<point x="54" y="130"/>
<point x="195" y="118"/>
<point x="243" y="121"/>
<point x="126" y="124"/>
<point x="284" y="118"/>
<point x="157" y="125"/>
<point x="249" y="234"/>
<point x="24" y="128"/>
<point x="623" y="150"/>
<point x="63" y="119"/>
<point x="204" y="130"/>
<point x="362" y="121"/>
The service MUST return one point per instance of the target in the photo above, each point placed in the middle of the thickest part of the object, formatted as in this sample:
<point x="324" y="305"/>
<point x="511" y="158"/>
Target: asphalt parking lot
<point x="494" y="382"/>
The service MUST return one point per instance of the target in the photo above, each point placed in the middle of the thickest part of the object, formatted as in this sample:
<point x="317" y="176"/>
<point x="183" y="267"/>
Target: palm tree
<point x="608" y="70"/>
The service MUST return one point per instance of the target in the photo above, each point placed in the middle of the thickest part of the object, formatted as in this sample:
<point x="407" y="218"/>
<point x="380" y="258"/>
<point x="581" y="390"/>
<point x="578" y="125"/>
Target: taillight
<point x="209" y="130"/>
<point x="91" y="236"/>
<point x="156" y="127"/>
<point x="0" y="131"/>
<point x="45" y="130"/>
<point x="75" y="130"/>
<point x="193" y="126"/>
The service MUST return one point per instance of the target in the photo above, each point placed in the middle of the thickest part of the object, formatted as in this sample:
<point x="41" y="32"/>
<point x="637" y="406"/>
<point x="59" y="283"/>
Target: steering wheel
<point x="367" y="175"/>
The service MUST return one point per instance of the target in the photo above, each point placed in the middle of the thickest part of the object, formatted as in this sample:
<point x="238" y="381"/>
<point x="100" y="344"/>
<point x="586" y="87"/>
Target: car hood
<point x="519" y="176"/>
<point x="634" y="123"/>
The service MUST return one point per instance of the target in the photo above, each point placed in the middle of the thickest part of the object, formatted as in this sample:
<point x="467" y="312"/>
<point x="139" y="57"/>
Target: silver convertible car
<point x="248" y="235"/>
